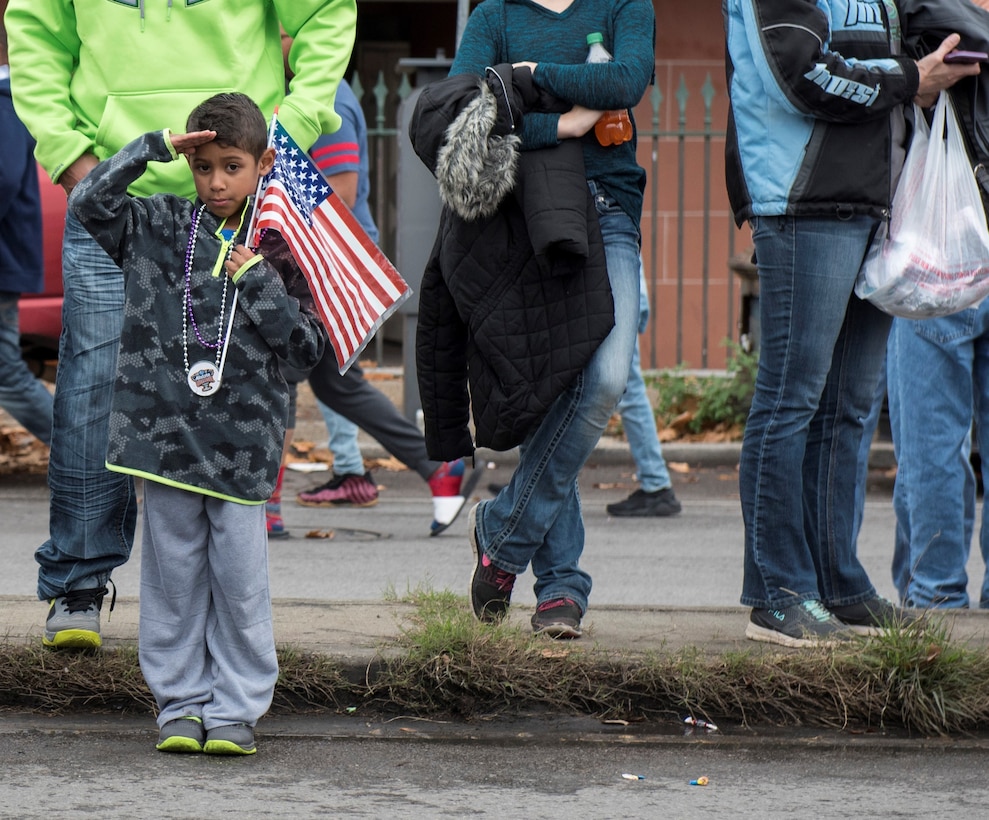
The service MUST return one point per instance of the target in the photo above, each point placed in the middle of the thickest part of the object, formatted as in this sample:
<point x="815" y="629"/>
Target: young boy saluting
<point x="199" y="409"/>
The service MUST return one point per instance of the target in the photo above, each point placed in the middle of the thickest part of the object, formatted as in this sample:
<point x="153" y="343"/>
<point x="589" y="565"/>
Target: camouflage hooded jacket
<point x="227" y="443"/>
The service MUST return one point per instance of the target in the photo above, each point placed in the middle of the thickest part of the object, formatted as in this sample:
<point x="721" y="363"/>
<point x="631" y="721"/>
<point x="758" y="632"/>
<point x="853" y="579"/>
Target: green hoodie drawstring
<point x="168" y="15"/>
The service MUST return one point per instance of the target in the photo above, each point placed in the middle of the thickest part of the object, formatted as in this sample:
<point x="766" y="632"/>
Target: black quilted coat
<point x="515" y="297"/>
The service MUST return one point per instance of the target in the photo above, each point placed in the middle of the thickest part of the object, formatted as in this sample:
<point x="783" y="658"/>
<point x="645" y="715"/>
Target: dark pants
<point x="354" y="398"/>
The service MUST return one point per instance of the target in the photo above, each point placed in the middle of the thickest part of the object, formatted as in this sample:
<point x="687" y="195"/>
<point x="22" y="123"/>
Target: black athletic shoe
<point x="805" y="624"/>
<point x="490" y="587"/>
<point x="873" y="617"/>
<point x="640" y="503"/>
<point x="558" y="618"/>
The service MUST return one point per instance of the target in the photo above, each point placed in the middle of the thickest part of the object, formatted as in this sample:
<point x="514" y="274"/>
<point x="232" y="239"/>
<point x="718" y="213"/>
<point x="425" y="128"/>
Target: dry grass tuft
<point x="449" y="665"/>
<point x="39" y="679"/>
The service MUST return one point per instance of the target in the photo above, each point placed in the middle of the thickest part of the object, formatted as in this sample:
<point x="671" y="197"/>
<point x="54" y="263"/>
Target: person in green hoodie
<point x="87" y="77"/>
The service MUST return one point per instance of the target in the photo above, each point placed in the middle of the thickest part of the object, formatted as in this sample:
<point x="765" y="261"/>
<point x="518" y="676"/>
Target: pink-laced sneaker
<point x="490" y="587"/>
<point x="557" y="618"/>
<point x="358" y="490"/>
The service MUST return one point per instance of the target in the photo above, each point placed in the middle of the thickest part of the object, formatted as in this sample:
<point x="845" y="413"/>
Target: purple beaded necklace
<point x="203" y="376"/>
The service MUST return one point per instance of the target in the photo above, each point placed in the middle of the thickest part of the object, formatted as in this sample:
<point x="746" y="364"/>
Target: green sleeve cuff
<point x="167" y="134"/>
<point x="254" y="260"/>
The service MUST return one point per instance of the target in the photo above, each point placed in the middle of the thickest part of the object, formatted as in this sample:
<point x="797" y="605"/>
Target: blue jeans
<point x="638" y="417"/>
<point x="536" y="518"/>
<point x="93" y="512"/>
<point x="865" y="449"/>
<point x="936" y="367"/>
<point x="347" y="459"/>
<point x="821" y="352"/>
<point x="21" y="394"/>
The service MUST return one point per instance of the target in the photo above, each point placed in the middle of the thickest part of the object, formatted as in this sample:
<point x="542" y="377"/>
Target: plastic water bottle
<point x="614" y="127"/>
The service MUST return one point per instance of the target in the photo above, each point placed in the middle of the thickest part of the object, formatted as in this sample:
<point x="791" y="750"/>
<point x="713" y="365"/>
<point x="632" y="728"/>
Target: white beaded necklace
<point x="204" y="377"/>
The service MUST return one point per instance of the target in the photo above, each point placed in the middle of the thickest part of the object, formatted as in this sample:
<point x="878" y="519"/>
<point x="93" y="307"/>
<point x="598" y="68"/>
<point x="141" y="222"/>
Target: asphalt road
<point x="344" y="767"/>
<point x="693" y="559"/>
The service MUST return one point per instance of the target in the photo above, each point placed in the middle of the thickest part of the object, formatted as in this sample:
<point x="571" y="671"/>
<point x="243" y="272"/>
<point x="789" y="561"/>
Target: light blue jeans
<point x="93" y="512"/>
<point x="638" y="417"/>
<point x="938" y="377"/>
<point x="819" y="360"/>
<point x="21" y="394"/>
<point x="347" y="459"/>
<point x="536" y="518"/>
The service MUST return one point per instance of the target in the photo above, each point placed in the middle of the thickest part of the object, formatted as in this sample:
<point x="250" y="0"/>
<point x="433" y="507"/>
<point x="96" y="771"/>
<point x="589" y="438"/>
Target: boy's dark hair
<point x="237" y="120"/>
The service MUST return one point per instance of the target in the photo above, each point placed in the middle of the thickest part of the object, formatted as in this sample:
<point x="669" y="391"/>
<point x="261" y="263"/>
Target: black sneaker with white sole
<point x="800" y="625"/>
<point x="557" y="618"/>
<point x="873" y="617"/>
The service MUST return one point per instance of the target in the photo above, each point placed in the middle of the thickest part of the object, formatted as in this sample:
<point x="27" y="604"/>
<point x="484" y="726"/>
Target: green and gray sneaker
<point x="184" y="734"/>
<point x="233" y="739"/>
<point x="805" y="624"/>
<point x="74" y="619"/>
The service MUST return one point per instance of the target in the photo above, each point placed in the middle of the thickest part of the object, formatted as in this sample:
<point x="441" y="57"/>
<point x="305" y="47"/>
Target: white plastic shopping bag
<point x="932" y="257"/>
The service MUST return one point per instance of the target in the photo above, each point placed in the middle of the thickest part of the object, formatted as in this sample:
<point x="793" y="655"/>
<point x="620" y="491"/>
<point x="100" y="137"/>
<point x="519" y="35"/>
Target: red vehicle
<point x="41" y="313"/>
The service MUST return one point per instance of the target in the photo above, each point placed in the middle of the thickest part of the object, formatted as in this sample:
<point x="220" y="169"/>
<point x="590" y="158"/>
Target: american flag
<point x="354" y="285"/>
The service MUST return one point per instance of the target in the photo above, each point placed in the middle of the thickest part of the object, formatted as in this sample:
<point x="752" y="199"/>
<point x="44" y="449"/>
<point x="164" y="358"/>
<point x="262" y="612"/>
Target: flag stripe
<point x="315" y="259"/>
<point x="364" y="253"/>
<point x="335" y="316"/>
<point x="342" y="336"/>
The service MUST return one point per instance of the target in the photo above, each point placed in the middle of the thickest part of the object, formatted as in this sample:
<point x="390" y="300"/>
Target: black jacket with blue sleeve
<point x="813" y="88"/>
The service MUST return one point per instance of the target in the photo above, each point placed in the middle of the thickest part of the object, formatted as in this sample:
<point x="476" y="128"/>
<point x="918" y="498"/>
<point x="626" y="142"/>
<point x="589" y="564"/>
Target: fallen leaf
<point x="391" y="464"/>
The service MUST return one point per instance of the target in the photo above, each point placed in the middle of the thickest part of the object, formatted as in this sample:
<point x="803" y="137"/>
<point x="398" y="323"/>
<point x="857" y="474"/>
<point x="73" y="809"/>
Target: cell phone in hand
<point x="959" y="56"/>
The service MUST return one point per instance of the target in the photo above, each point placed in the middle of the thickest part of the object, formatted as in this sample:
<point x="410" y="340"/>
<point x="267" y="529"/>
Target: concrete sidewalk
<point x="356" y="633"/>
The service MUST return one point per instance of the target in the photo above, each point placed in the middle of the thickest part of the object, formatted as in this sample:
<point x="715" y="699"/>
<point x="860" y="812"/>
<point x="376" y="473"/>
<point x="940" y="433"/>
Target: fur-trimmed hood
<point x="466" y="131"/>
<point x="476" y="167"/>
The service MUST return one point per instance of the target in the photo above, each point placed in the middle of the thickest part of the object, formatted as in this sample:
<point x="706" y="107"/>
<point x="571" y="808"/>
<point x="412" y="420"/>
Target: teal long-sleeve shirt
<point x="513" y="31"/>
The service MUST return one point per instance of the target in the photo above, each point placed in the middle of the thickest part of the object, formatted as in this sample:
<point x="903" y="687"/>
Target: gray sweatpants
<point x="206" y="644"/>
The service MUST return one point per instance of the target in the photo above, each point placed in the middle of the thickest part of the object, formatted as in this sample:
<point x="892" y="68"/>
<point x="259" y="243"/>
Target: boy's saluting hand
<point x="186" y="143"/>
